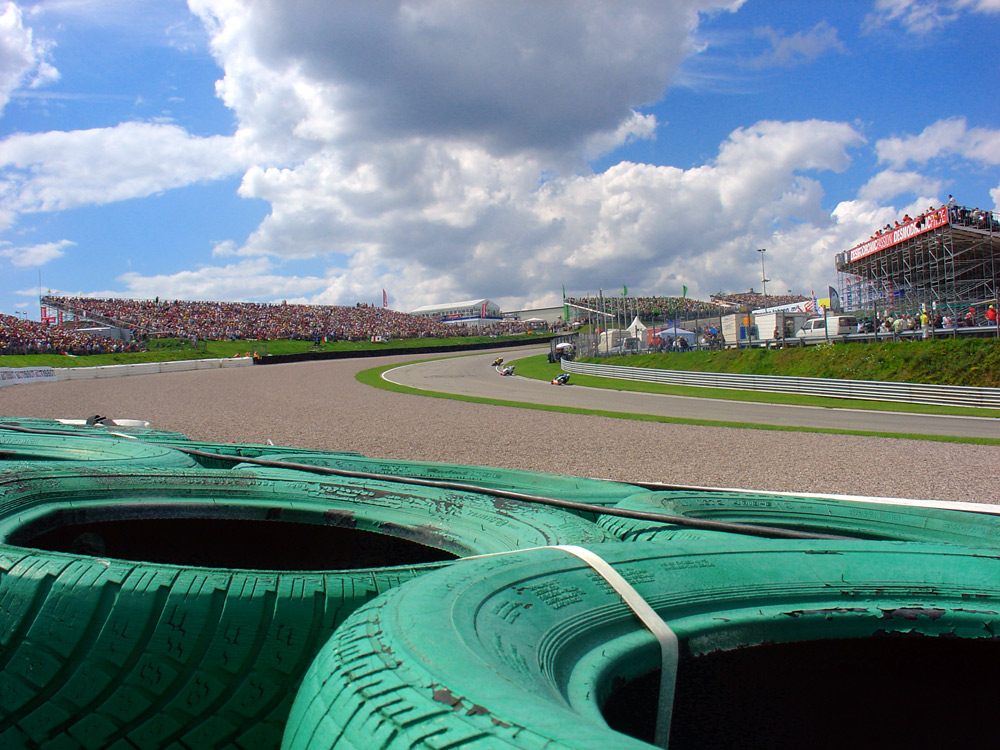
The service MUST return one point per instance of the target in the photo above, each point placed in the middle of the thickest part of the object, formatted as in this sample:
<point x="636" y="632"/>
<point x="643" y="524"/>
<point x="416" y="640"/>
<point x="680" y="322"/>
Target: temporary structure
<point x="637" y="330"/>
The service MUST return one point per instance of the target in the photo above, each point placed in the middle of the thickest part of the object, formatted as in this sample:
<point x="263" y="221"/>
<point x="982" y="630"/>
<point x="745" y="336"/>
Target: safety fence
<point x="867" y="390"/>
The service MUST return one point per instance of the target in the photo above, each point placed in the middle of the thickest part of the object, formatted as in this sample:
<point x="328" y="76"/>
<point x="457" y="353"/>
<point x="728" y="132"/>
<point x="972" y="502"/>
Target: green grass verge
<point x="373" y="377"/>
<point x="968" y="362"/>
<point x="170" y="350"/>
<point x="539" y="368"/>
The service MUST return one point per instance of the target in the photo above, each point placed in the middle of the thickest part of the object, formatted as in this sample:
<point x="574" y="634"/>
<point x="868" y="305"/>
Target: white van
<point x="828" y="327"/>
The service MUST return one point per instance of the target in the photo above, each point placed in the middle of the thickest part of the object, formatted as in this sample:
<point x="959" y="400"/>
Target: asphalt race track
<point x="320" y="405"/>
<point x="474" y="376"/>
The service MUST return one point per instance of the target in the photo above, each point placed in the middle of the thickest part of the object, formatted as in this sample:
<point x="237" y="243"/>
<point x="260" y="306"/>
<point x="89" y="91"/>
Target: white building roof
<point x="451" y="306"/>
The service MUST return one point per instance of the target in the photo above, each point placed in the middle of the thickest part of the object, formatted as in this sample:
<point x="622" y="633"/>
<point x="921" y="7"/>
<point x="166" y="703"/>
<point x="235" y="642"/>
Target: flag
<point x="684" y="289"/>
<point x="624" y="291"/>
<point x="482" y="311"/>
<point x="812" y="305"/>
<point x="385" y="299"/>
<point x="565" y="306"/>
<point x="834" y="299"/>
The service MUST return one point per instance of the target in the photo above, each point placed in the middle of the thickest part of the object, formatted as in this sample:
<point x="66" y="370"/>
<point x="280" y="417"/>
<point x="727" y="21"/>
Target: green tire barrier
<point x="179" y="609"/>
<point x="780" y="644"/>
<point x="855" y="519"/>
<point x="156" y="437"/>
<point x="145" y="433"/>
<point x="241" y="450"/>
<point x="578" y="489"/>
<point x="91" y="448"/>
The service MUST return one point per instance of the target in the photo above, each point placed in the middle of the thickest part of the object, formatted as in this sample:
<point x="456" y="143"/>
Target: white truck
<point x="779" y="326"/>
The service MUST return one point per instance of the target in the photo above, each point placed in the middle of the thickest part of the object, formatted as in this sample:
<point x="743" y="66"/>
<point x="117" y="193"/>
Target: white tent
<point x="677" y="333"/>
<point x="637" y="330"/>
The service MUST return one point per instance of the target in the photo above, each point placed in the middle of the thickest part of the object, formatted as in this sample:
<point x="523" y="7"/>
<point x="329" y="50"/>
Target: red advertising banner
<point x="925" y="223"/>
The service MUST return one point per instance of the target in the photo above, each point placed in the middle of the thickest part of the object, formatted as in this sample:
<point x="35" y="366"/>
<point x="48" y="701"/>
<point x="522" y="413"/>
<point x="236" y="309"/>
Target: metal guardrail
<point x="148" y="368"/>
<point x="867" y="390"/>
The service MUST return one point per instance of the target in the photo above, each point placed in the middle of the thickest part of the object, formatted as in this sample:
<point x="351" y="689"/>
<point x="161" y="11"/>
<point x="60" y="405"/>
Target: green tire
<point x="558" y="486"/>
<point x="534" y="650"/>
<point x="92" y="448"/>
<point x="855" y="519"/>
<point x="179" y="609"/>
<point x="38" y="423"/>
<point x="240" y="450"/>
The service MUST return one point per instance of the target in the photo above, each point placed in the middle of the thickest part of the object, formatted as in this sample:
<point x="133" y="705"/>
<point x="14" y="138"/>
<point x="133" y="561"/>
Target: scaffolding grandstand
<point x="945" y="259"/>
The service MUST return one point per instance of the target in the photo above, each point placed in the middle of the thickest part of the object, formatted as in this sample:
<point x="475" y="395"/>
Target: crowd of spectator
<point x="929" y="321"/>
<point x="647" y="308"/>
<point x="19" y="336"/>
<point x="652" y="308"/>
<point x="972" y="217"/>
<point x="755" y="301"/>
<point x="963" y="216"/>
<point x="251" y="321"/>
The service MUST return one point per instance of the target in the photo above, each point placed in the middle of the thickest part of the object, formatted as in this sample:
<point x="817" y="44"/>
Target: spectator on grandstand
<point x="19" y="336"/>
<point x="970" y="318"/>
<point x="260" y="321"/>
<point x="991" y="316"/>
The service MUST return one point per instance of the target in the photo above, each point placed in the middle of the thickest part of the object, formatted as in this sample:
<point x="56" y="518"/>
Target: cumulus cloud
<point x="951" y="137"/>
<point x="31" y="256"/>
<point x="463" y="220"/>
<point x="23" y="60"/>
<point x="247" y="279"/>
<point x="446" y="144"/>
<point x="890" y="183"/>
<point x="511" y="76"/>
<point x="440" y="150"/>
<point x="60" y="170"/>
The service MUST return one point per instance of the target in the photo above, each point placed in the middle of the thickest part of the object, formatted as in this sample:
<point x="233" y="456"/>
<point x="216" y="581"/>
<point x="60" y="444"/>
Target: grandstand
<point x="144" y="319"/>
<point x="944" y="259"/>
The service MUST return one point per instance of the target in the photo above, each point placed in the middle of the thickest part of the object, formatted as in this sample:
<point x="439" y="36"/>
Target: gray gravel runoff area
<point x="320" y="405"/>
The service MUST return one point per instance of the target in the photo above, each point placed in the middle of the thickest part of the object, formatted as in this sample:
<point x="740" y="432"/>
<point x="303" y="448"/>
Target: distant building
<point x="472" y="311"/>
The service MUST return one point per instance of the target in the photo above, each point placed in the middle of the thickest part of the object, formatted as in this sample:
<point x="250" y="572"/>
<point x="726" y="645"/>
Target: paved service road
<point x="474" y="376"/>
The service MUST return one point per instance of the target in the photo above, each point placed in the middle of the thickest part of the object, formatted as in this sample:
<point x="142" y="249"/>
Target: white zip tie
<point x="647" y="615"/>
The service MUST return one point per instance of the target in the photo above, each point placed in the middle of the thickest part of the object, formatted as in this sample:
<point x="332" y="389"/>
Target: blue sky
<point x="319" y="152"/>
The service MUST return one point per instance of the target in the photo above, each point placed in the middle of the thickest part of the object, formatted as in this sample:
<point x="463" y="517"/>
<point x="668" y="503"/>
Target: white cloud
<point x="890" y="183"/>
<point x="525" y="76"/>
<point x="925" y="16"/>
<point x="23" y="60"/>
<point x="452" y="220"/>
<point x="439" y="148"/>
<point x="951" y="137"/>
<point x="35" y="255"/>
<point x="248" y="279"/>
<point x="60" y="170"/>
<point x="788" y="50"/>
<point x="637" y="127"/>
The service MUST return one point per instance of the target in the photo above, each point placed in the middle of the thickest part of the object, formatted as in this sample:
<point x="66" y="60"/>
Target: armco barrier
<point x="20" y="375"/>
<point x="148" y="368"/>
<point x="866" y="390"/>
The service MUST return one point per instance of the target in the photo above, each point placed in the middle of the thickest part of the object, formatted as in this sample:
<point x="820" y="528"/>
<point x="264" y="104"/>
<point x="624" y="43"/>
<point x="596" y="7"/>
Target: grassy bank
<point x="970" y="362"/>
<point x="169" y="350"/>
